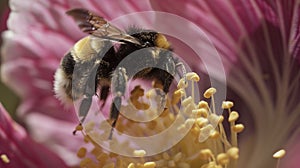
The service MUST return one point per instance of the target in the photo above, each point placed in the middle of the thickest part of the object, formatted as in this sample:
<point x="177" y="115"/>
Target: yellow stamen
<point x="214" y="135"/>
<point x="139" y="153"/>
<point x="209" y="92"/>
<point x="215" y="119"/>
<point x="238" y="128"/>
<point x="149" y="165"/>
<point x="223" y="159"/>
<point x="202" y="112"/>
<point x="202" y="122"/>
<point x="205" y="133"/>
<point x="85" y="162"/>
<point x="183" y="165"/>
<point x="233" y="116"/>
<point x="166" y="156"/>
<point x="177" y="157"/>
<point x="182" y="84"/>
<point x="171" y="163"/>
<point x="110" y="165"/>
<point x="206" y="154"/>
<point x="233" y="153"/>
<point x="227" y="104"/>
<point x="279" y="154"/>
<point x="5" y="158"/>
<point x="202" y="127"/>
<point x="178" y="94"/>
<point x="192" y="76"/>
<point x="131" y="165"/>
<point x="81" y="152"/>
<point x="187" y="101"/>
<point x="203" y="104"/>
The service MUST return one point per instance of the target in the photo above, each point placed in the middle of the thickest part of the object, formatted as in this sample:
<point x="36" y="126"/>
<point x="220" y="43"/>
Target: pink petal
<point x="20" y="149"/>
<point x="259" y="45"/>
<point x="291" y="160"/>
<point x="56" y="135"/>
<point x="39" y="34"/>
<point x="226" y="22"/>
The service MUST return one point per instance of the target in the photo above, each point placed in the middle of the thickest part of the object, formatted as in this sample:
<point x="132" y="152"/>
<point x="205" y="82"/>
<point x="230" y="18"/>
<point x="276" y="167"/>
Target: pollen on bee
<point x="162" y="42"/>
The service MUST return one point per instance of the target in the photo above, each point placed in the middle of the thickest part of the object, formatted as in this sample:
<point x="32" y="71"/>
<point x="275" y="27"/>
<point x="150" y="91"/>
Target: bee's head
<point x="152" y="39"/>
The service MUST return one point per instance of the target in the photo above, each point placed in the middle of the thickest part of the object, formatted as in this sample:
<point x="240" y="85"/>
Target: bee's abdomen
<point x="63" y="79"/>
<point x="68" y="63"/>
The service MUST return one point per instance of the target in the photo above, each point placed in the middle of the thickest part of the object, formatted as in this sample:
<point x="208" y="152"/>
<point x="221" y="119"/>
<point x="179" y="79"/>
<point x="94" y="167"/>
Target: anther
<point x="223" y="159"/>
<point x="149" y="165"/>
<point x="227" y="104"/>
<point x="192" y="76"/>
<point x="206" y="154"/>
<point x="279" y="154"/>
<point x="238" y="128"/>
<point x="4" y="158"/>
<point x="209" y="92"/>
<point x="233" y="153"/>
<point x="233" y="116"/>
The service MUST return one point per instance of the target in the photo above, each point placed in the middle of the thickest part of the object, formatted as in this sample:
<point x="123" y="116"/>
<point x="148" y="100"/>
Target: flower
<point x="19" y="150"/>
<point x="259" y="45"/>
<point x="195" y="131"/>
<point x="39" y="34"/>
<point x="254" y="36"/>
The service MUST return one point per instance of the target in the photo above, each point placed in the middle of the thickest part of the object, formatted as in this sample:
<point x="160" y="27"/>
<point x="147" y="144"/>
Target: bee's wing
<point x="96" y="25"/>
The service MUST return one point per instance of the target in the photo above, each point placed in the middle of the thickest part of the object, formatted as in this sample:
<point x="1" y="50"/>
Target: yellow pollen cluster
<point x="204" y="142"/>
<point x="4" y="158"/>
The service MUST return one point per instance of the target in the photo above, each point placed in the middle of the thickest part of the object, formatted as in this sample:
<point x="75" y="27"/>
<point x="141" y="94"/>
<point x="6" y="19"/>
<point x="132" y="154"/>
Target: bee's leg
<point x="119" y="82"/>
<point x="104" y="91"/>
<point x="83" y="111"/>
<point x="86" y="102"/>
<point x="84" y="107"/>
<point x="167" y="81"/>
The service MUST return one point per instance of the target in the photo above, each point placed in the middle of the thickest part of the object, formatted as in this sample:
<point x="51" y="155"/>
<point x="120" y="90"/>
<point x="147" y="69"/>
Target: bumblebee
<point x="96" y="63"/>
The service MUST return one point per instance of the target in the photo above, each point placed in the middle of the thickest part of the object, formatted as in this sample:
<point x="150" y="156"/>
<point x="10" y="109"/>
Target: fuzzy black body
<point x="97" y="63"/>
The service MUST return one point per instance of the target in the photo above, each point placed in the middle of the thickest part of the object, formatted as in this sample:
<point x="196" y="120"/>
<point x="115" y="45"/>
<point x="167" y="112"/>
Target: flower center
<point x="203" y="138"/>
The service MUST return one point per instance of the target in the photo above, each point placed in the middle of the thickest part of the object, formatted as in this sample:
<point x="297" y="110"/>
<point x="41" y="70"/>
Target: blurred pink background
<point x="7" y="97"/>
